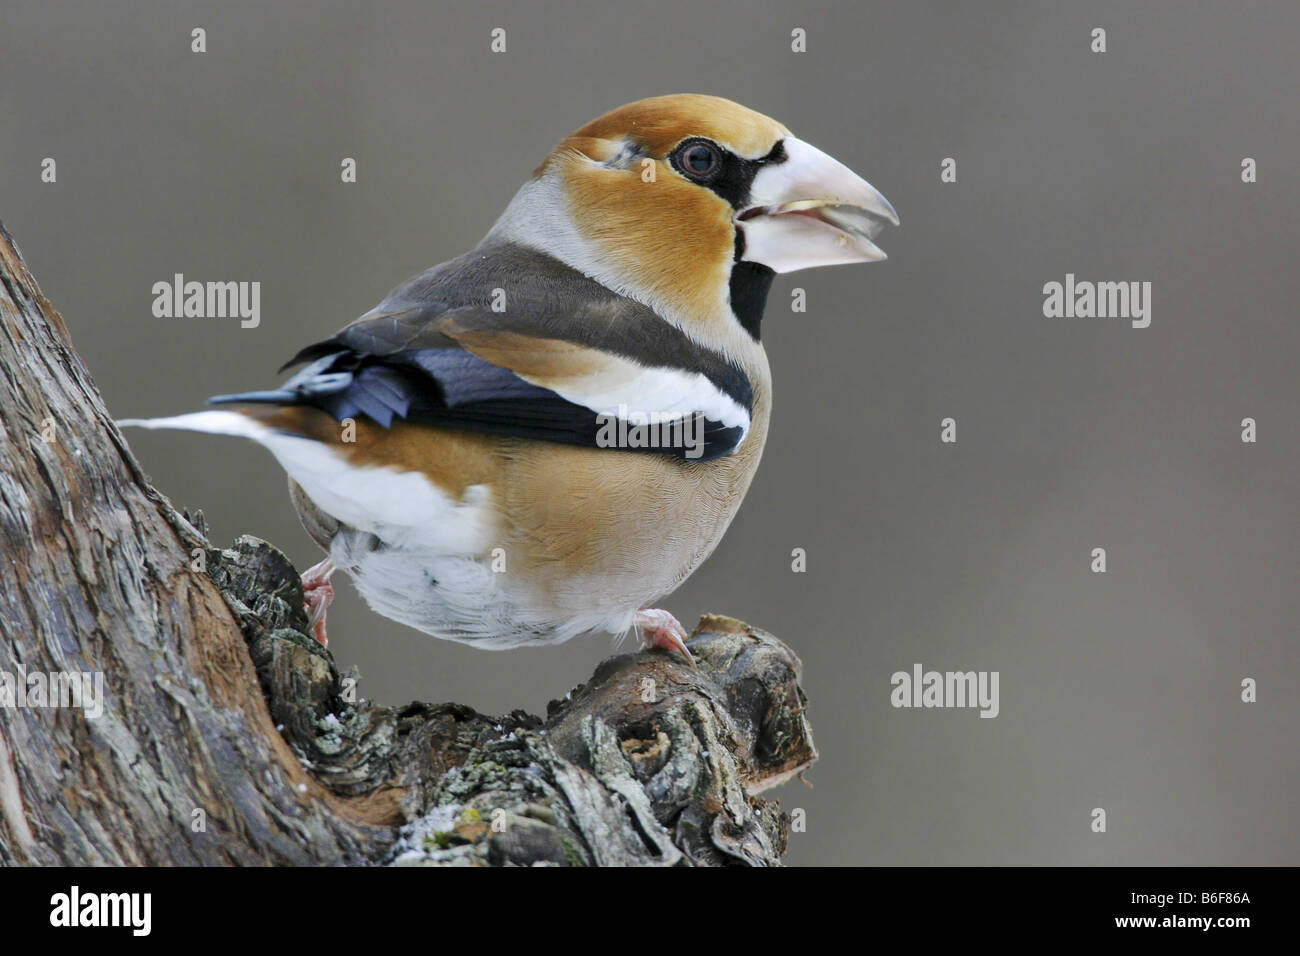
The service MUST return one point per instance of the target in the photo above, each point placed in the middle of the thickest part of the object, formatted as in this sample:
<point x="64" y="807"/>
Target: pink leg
<point x="318" y="594"/>
<point x="660" y="629"/>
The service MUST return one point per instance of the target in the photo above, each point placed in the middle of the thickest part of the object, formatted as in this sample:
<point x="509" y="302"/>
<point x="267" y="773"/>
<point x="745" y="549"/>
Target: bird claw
<point x="318" y="594"/>
<point x="660" y="629"/>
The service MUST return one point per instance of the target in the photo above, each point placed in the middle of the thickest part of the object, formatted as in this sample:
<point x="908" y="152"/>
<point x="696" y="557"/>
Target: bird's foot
<point x="660" y="629"/>
<point x="318" y="594"/>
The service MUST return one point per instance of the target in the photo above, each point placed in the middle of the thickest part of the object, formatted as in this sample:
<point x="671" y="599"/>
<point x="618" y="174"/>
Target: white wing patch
<point x="661" y="393"/>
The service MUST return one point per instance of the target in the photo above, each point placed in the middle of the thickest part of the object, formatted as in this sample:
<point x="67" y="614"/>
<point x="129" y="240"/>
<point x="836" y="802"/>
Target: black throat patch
<point x="749" y="285"/>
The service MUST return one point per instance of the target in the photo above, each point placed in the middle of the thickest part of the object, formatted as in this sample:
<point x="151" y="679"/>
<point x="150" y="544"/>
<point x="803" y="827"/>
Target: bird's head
<point x="690" y="204"/>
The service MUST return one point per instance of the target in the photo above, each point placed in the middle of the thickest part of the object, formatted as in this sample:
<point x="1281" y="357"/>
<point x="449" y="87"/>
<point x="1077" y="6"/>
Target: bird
<point x="545" y="436"/>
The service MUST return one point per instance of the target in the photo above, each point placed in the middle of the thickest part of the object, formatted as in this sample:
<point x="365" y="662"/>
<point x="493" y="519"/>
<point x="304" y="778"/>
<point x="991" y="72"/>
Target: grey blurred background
<point x="1120" y="690"/>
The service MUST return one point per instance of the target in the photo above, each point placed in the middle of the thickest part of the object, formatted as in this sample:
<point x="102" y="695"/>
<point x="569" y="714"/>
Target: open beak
<point x="812" y="210"/>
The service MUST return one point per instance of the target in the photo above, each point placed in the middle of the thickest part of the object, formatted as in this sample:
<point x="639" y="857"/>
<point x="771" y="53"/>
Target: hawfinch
<point x="546" y="435"/>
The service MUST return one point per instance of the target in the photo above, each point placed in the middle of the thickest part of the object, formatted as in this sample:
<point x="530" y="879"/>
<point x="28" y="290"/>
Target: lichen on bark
<point x="649" y="763"/>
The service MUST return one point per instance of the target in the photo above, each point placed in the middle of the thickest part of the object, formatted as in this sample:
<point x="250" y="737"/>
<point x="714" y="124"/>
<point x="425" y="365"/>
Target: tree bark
<point x="228" y="736"/>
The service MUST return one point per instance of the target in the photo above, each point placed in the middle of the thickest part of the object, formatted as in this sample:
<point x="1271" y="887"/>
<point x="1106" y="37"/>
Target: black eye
<point x="699" y="160"/>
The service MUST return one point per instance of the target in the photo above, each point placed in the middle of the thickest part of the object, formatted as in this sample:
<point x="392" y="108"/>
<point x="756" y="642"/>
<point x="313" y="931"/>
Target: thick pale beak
<point x="812" y="210"/>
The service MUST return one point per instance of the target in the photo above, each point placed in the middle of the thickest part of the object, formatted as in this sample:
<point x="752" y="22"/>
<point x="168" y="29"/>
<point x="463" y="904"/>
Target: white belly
<point x="423" y="557"/>
<point x="460" y="597"/>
